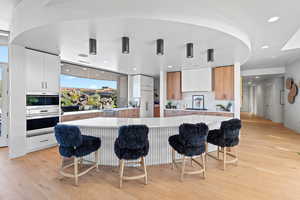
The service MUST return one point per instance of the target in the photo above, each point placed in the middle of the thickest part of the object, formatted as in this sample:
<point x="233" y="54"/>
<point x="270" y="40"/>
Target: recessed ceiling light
<point x="265" y="47"/>
<point x="273" y="19"/>
<point x="105" y="61"/>
<point x="134" y="69"/>
<point x="67" y="70"/>
<point x="257" y="77"/>
<point x="170" y="66"/>
<point x="84" y="69"/>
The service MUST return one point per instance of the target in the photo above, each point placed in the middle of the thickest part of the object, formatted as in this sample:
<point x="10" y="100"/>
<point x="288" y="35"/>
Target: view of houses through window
<point x="89" y="89"/>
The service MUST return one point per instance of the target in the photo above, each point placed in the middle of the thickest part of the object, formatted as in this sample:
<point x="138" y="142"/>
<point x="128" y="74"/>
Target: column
<point x="237" y="90"/>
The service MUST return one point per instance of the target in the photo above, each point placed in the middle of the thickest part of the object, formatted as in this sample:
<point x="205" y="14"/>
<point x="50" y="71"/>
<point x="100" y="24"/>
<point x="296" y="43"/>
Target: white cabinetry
<point x="197" y="80"/>
<point x="142" y="88"/>
<point x="42" y="72"/>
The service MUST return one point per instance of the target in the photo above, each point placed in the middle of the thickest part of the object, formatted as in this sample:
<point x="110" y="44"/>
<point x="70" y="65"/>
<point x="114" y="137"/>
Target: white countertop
<point x="95" y="111"/>
<point x="181" y="109"/>
<point x="101" y="122"/>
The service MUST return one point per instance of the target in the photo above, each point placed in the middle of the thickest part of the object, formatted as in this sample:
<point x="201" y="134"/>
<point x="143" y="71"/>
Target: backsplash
<point x="209" y="100"/>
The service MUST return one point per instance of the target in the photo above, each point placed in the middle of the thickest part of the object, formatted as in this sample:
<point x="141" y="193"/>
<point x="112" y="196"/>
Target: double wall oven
<point x="42" y="113"/>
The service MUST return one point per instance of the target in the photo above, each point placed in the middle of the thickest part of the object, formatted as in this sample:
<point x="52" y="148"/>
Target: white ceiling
<point x="71" y="39"/>
<point x="249" y="16"/>
<point x="6" y="10"/>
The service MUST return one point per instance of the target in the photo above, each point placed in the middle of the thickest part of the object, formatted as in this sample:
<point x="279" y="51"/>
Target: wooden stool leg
<point x="204" y="164"/>
<point x="97" y="159"/>
<point x="182" y="168"/>
<point x="218" y="153"/>
<point x="224" y="157"/>
<point x="145" y="170"/>
<point x="121" y="165"/>
<point x="236" y="154"/>
<point x="76" y="170"/>
<point x="173" y="158"/>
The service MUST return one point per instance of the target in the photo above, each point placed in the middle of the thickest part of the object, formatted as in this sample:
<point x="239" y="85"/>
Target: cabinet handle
<point x="46" y="84"/>
<point x="44" y="140"/>
<point x="42" y="85"/>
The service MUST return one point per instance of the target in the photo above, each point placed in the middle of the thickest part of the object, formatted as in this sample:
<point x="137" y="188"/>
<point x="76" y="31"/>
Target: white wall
<point x="291" y="111"/>
<point x="17" y="104"/>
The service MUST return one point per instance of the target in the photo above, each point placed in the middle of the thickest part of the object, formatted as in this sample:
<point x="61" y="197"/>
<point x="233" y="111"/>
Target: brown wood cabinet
<point x="156" y="111"/>
<point x="174" y="86"/>
<point x="223" y="83"/>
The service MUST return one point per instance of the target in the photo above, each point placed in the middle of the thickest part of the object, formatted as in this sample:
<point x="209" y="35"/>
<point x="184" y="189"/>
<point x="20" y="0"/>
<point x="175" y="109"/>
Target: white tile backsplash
<point x="209" y="100"/>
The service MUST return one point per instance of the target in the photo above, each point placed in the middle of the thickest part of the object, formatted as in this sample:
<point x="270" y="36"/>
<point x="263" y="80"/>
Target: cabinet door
<point x="218" y="82"/>
<point x="51" y="73"/>
<point x="34" y="71"/>
<point x="174" y="85"/>
<point x="228" y="82"/>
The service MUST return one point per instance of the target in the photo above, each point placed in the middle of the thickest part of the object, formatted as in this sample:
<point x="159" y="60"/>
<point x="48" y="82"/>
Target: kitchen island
<point x="159" y="131"/>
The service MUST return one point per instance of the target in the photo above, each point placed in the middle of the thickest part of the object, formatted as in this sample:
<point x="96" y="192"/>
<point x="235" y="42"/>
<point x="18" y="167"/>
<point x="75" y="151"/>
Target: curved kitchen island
<point x="159" y="131"/>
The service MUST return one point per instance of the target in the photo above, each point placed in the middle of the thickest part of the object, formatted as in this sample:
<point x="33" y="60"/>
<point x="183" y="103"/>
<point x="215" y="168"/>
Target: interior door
<point x="4" y="105"/>
<point x="267" y="102"/>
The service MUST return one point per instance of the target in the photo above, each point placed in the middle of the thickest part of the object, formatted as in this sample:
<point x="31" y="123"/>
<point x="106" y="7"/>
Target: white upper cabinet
<point x="51" y="72"/>
<point x="34" y="71"/>
<point x="42" y="72"/>
<point x="197" y="80"/>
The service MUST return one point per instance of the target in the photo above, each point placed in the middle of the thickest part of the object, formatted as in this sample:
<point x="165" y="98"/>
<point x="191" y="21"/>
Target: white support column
<point x="163" y="92"/>
<point x="17" y="102"/>
<point x="237" y="90"/>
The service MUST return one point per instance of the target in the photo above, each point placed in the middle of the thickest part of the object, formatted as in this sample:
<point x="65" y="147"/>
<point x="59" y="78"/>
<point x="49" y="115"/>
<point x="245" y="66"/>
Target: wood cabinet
<point x="42" y="72"/>
<point x="175" y="113"/>
<point x="223" y="83"/>
<point x="174" y="86"/>
<point x="156" y="111"/>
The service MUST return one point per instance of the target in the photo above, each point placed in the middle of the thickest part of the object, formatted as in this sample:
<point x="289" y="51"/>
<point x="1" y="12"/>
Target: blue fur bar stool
<point x="191" y="142"/>
<point x="226" y="138"/>
<point x="132" y="144"/>
<point x="73" y="144"/>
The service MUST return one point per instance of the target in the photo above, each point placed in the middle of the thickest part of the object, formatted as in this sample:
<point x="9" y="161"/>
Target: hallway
<point x="269" y="168"/>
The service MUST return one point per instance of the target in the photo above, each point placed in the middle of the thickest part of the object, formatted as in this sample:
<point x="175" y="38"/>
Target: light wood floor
<point x="269" y="168"/>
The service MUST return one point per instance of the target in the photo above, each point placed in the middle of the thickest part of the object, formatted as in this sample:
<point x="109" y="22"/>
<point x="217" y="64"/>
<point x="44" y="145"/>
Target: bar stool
<point x="191" y="142"/>
<point x="73" y="144"/>
<point x="132" y="144"/>
<point x="225" y="138"/>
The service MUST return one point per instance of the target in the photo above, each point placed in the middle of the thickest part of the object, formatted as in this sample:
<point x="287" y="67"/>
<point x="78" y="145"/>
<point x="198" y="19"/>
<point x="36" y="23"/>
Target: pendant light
<point x="160" y="47"/>
<point x="210" y="55"/>
<point x="125" y="45"/>
<point x="93" y="46"/>
<point x="189" y="50"/>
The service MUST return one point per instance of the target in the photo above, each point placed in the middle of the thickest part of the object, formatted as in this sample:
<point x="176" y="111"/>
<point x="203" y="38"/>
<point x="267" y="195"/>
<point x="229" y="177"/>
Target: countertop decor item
<point x="198" y="101"/>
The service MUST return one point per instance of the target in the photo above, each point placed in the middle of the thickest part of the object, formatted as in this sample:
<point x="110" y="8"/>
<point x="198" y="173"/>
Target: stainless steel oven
<point x="35" y="100"/>
<point x="42" y="113"/>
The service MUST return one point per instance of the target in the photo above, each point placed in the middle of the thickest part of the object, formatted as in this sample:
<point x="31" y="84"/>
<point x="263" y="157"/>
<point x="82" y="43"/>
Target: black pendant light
<point x="93" y="46"/>
<point x="125" y="45"/>
<point x="189" y="50"/>
<point x="210" y="55"/>
<point x="160" y="47"/>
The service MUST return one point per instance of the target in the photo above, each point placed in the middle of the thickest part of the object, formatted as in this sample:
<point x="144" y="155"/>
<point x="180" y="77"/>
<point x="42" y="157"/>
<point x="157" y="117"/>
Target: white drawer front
<point x="36" y="143"/>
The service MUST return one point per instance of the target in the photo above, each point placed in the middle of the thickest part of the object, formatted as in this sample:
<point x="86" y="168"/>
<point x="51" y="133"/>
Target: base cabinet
<point x="39" y="142"/>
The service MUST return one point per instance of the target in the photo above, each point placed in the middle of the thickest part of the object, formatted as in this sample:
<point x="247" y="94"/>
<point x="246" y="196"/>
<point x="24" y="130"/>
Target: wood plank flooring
<point x="269" y="168"/>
